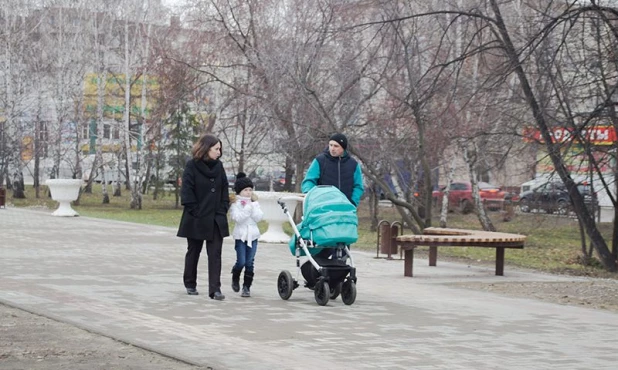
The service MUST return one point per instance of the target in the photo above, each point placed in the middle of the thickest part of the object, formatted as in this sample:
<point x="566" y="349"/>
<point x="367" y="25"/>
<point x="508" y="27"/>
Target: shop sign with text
<point x="595" y="135"/>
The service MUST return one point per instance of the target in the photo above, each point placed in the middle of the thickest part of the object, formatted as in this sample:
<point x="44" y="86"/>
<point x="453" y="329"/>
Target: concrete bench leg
<point x="433" y="256"/>
<point x="408" y="262"/>
<point x="500" y="261"/>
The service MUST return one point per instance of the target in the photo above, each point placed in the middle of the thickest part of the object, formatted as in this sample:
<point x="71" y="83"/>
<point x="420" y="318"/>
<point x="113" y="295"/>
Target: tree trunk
<point x="607" y="258"/>
<point x="478" y="204"/>
<point x="449" y="181"/>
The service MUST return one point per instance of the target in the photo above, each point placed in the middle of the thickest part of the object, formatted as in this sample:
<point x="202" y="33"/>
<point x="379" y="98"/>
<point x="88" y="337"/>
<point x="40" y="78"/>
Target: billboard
<point x="114" y="104"/>
<point x="27" y="148"/>
<point x="576" y="162"/>
<point x="113" y="95"/>
<point x="595" y="135"/>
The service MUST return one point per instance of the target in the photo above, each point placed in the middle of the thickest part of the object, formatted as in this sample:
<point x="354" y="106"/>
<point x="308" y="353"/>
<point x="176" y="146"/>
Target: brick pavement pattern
<point x="124" y="281"/>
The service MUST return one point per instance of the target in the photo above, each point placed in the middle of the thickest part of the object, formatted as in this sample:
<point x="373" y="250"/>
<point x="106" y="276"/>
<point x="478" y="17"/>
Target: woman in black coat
<point x="205" y="197"/>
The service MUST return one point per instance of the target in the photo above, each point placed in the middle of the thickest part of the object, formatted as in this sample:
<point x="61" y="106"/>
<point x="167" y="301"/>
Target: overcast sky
<point x="172" y="2"/>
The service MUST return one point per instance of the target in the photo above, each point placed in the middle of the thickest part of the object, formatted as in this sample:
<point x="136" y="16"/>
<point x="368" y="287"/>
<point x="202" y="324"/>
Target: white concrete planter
<point x="273" y="214"/>
<point x="64" y="191"/>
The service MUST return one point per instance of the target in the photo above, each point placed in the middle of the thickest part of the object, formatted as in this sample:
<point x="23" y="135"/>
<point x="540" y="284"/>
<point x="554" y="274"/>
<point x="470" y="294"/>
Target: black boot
<point x="236" y="280"/>
<point x="247" y="284"/>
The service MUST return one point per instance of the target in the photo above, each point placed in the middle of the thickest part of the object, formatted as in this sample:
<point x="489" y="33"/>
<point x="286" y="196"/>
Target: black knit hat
<point x="242" y="182"/>
<point x="340" y="139"/>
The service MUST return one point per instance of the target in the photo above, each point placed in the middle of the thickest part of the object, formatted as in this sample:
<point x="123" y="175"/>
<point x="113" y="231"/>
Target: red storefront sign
<point x="597" y="135"/>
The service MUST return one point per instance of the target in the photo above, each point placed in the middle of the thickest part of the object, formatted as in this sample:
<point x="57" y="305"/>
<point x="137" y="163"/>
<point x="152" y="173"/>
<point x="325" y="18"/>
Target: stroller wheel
<point x="285" y="285"/>
<point x="322" y="293"/>
<point x="348" y="292"/>
<point x="335" y="291"/>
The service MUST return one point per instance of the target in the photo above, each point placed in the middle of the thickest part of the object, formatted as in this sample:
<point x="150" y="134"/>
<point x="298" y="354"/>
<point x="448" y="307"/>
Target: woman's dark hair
<point x="203" y="145"/>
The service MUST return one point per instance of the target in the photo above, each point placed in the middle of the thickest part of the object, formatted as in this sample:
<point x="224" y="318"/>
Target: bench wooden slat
<point x="437" y="237"/>
<point x="463" y="243"/>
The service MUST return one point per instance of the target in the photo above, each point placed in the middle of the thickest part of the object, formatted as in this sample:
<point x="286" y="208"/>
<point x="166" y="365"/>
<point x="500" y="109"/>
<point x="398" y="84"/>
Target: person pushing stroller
<point x="334" y="166"/>
<point x="246" y="213"/>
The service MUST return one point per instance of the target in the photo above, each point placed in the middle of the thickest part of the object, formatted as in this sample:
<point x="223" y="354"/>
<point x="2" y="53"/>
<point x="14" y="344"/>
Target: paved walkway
<point x="124" y="281"/>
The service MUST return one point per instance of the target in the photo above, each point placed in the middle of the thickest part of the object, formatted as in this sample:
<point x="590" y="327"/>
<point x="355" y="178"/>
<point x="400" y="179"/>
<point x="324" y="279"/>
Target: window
<point x="43" y="132"/>
<point x="106" y="131"/>
<point x="116" y="132"/>
<point x="85" y="133"/>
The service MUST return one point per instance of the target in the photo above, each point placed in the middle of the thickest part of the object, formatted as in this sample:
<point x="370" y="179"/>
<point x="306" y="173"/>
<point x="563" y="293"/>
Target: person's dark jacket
<point x="342" y="172"/>
<point x="205" y="196"/>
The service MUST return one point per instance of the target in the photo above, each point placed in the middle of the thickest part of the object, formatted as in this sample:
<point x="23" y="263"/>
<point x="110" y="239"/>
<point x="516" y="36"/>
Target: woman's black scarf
<point x="210" y="168"/>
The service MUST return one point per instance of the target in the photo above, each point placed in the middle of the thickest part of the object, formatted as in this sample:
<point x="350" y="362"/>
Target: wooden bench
<point x="434" y="237"/>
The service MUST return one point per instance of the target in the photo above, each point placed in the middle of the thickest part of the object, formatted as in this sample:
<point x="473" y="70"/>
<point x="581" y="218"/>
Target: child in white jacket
<point x="246" y="213"/>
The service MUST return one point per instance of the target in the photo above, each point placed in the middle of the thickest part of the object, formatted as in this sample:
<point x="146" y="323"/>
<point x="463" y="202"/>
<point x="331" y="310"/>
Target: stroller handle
<point x="281" y="201"/>
<point x="291" y="197"/>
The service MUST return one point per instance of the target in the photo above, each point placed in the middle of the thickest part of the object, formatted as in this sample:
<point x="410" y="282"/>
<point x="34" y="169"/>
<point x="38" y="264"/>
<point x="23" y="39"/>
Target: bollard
<point x="2" y="197"/>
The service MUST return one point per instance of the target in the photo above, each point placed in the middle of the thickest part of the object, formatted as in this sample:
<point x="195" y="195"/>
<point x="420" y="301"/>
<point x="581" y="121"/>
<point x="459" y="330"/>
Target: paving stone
<point x="124" y="281"/>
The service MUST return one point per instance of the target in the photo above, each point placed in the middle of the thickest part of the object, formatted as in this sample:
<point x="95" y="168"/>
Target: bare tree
<point x="102" y="26"/>
<point x="513" y="59"/>
<point x="15" y="97"/>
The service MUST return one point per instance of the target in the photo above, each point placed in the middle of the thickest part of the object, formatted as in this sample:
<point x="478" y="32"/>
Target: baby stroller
<point x="329" y="225"/>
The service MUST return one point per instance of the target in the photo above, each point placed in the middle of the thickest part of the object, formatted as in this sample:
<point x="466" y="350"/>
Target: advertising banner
<point x="27" y="148"/>
<point x="576" y="162"/>
<point x="113" y="100"/>
<point x="595" y="135"/>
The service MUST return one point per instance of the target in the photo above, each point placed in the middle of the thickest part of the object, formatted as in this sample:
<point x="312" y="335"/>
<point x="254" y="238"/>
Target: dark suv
<point x="553" y="197"/>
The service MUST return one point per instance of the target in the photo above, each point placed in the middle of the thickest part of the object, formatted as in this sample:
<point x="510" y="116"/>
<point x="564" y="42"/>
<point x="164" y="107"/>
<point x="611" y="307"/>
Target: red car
<point x="460" y="196"/>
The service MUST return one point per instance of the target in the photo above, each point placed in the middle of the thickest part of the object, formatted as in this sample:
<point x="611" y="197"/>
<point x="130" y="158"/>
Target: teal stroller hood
<point x="329" y="219"/>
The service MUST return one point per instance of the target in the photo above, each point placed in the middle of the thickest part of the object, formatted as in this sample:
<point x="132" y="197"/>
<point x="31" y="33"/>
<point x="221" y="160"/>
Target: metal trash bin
<point x="2" y="197"/>
<point x="509" y="208"/>
<point x="394" y="234"/>
<point x="385" y="237"/>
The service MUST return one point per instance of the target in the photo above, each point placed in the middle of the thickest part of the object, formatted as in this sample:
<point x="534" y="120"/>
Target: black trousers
<point x="213" y="250"/>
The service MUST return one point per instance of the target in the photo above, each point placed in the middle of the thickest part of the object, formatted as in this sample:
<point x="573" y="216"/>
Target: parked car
<point x="231" y="179"/>
<point x="460" y="196"/>
<point x="262" y="183"/>
<point x="553" y="197"/>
